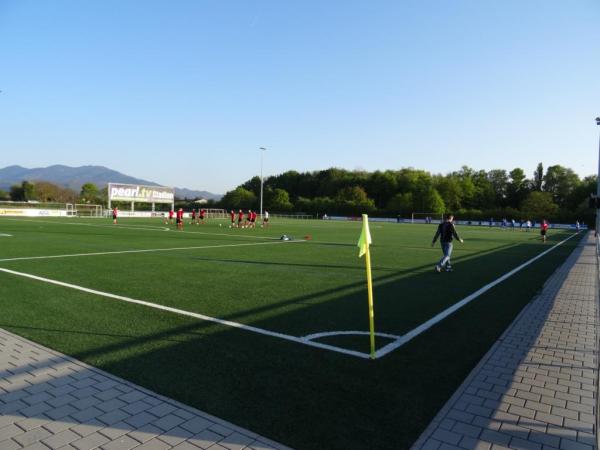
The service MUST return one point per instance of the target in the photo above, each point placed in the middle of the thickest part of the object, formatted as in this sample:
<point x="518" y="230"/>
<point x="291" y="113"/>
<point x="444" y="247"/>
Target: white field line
<point x="5" y="235"/>
<point x="346" y="333"/>
<point x="150" y="250"/>
<point x="441" y="316"/>
<point x="181" y="312"/>
<point x="143" y="228"/>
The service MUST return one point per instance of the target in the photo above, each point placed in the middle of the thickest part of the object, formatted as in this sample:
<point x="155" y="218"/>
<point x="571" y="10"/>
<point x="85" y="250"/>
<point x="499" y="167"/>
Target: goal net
<point x="426" y="217"/>
<point x="86" y="210"/>
<point x="215" y="213"/>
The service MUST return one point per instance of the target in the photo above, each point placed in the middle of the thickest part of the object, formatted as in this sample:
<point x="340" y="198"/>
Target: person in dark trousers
<point x="446" y="232"/>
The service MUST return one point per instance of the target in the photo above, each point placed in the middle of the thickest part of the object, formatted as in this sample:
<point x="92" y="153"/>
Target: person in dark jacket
<point x="446" y="232"/>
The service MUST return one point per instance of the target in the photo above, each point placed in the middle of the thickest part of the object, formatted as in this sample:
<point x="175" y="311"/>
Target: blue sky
<point x="185" y="92"/>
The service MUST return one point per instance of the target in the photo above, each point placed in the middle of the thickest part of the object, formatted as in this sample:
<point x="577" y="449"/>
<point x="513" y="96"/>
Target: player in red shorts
<point x="193" y="216"/>
<point x="543" y="229"/>
<point x="240" y="218"/>
<point x="201" y="216"/>
<point x="115" y="214"/>
<point x="179" y="219"/>
<point x="232" y="214"/>
<point x="170" y="219"/>
<point x="253" y="219"/>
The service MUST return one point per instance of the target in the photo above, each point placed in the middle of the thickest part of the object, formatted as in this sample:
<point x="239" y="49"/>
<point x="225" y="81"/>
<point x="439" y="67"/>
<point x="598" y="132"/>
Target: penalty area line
<point x="445" y="313"/>
<point x="182" y="312"/>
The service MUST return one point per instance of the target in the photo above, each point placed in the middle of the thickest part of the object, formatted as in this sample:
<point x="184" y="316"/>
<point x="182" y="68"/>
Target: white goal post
<point x="87" y="210"/>
<point x="215" y="213"/>
<point x="426" y="217"/>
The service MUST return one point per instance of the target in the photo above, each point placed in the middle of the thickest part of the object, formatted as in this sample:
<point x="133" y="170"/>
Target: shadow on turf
<point x="271" y="386"/>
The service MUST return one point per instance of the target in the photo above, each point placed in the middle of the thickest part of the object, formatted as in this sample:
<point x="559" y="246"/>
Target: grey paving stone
<point x="220" y="429"/>
<point x="187" y="446"/>
<point x="207" y="438"/>
<point x="522" y="444"/>
<point x="31" y="422"/>
<point x="10" y="431"/>
<point x="567" y="444"/>
<point x="139" y="420"/>
<point x="446" y="436"/>
<point x="32" y="436"/>
<point x="113" y="417"/>
<point x="10" y="445"/>
<point x="474" y="444"/>
<point x="122" y="443"/>
<point x="136" y="407"/>
<point x="85" y="403"/>
<point x="115" y="431"/>
<point x="61" y="439"/>
<point x="196" y="425"/>
<point x="86" y="414"/>
<point x="161" y="410"/>
<point x="90" y="442"/>
<point x="145" y="433"/>
<point x="175" y="436"/>
<point x="168" y="422"/>
<point x="85" y="429"/>
<point x="154" y="444"/>
<point x="467" y="430"/>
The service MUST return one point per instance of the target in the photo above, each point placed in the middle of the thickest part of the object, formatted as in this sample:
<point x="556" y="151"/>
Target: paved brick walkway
<point x="50" y="401"/>
<point x="537" y="387"/>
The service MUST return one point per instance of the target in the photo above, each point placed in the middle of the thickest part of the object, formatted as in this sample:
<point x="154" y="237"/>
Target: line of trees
<point x="44" y="191"/>
<point x="557" y="194"/>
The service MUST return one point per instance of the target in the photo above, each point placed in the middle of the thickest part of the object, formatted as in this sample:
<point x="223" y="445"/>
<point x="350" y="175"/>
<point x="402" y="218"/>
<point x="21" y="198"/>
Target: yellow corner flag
<point x="363" y="244"/>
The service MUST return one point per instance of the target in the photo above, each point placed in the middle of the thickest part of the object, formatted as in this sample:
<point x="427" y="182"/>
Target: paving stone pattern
<point x="51" y="401"/>
<point x="537" y="387"/>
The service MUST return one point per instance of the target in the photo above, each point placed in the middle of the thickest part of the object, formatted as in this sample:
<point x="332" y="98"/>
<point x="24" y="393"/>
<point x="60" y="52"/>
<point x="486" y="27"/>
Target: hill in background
<point x="75" y="177"/>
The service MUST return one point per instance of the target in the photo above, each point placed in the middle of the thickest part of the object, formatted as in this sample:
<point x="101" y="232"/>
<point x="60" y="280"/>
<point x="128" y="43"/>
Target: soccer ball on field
<point x="220" y="224"/>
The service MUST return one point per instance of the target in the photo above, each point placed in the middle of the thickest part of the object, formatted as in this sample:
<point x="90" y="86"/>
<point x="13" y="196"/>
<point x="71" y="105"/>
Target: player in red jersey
<point x="193" y="216"/>
<point x="247" y="220"/>
<point x="543" y="229"/>
<point x="253" y="219"/>
<point x="201" y="216"/>
<point x="240" y="218"/>
<point x="179" y="219"/>
<point x="170" y="219"/>
<point x="115" y="214"/>
<point x="232" y="214"/>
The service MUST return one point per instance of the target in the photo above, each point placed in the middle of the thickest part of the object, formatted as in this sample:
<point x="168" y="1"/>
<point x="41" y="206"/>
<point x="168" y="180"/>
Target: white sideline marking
<point x="441" y="316"/>
<point x="5" y="235"/>
<point x="143" y="228"/>
<point x="345" y="333"/>
<point x="71" y="255"/>
<point x="192" y="314"/>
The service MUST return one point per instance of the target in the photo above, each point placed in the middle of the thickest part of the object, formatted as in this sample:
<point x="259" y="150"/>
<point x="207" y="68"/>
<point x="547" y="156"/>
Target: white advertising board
<point x="23" y="212"/>
<point x="139" y="193"/>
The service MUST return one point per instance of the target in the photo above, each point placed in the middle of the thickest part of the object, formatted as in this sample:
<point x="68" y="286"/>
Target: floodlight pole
<point x="598" y="183"/>
<point x="262" y="152"/>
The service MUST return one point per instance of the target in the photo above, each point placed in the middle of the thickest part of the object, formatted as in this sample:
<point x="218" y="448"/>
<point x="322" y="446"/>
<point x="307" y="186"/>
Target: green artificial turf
<point x="305" y="397"/>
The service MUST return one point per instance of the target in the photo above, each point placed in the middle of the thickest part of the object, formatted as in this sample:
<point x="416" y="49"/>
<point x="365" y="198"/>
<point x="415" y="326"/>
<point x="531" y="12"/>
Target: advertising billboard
<point x="140" y="194"/>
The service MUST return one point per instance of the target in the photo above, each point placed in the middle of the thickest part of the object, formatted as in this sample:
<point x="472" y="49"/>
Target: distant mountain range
<point x="75" y="177"/>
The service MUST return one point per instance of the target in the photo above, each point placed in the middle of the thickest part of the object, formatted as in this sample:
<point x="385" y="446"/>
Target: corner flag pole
<point x="363" y="244"/>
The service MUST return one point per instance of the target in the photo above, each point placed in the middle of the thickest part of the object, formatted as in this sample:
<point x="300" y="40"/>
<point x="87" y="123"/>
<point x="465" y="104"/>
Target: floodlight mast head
<point x="597" y="120"/>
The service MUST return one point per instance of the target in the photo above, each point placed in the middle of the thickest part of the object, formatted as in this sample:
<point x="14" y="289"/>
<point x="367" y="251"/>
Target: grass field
<point x="271" y="378"/>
